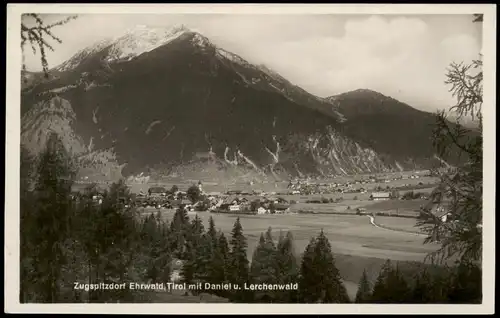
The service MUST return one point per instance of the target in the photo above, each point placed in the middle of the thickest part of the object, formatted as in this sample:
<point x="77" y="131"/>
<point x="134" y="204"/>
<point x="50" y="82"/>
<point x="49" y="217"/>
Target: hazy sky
<point x="401" y="56"/>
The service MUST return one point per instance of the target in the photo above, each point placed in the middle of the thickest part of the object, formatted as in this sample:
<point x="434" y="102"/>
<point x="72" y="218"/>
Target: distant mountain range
<point x="167" y="99"/>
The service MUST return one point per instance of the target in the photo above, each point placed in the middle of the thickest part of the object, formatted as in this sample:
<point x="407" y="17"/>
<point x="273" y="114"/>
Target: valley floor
<point x="356" y="243"/>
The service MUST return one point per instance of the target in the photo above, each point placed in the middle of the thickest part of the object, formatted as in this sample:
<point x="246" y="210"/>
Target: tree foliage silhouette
<point x="458" y="225"/>
<point x="35" y="32"/>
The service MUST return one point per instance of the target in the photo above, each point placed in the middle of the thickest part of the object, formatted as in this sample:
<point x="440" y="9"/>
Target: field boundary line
<point x="372" y="221"/>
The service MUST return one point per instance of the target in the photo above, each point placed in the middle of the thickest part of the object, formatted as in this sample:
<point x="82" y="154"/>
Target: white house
<point x="261" y="210"/>
<point x="379" y="196"/>
<point x="234" y="207"/>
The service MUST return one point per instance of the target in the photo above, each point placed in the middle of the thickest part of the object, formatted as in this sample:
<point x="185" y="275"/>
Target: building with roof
<point x="157" y="191"/>
<point x="380" y="196"/>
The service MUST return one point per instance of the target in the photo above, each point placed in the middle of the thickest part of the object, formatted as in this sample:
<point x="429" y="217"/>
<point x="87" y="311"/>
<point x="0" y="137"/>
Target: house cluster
<point x="160" y="197"/>
<point x="250" y="205"/>
<point x="305" y="188"/>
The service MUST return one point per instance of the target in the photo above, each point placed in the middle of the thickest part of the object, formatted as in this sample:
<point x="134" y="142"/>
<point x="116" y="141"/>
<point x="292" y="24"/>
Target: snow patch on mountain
<point x="200" y="40"/>
<point x="82" y="54"/>
<point x="142" y="39"/>
<point x="134" y="42"/>
<point x="231" y="57"/>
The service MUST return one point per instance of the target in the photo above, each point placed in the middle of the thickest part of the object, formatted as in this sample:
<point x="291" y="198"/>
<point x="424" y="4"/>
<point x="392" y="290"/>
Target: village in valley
<point x="336" y="197"/>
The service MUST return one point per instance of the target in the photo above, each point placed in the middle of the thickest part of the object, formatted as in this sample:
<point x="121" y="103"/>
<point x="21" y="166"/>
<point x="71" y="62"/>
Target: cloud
<point x="401" y="56"/>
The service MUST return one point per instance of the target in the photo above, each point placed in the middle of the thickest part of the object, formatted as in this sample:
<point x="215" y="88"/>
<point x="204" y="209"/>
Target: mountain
<point x="388" y="126"/>
<point x="169" y="99"/>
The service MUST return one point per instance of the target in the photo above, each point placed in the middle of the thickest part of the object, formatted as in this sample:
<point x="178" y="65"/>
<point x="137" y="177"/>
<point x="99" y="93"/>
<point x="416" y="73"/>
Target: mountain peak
<point x="142" y="39"/>
<point x="146" y="30"/>
<point x="133" y="42"/>
<point x="366" y="92"/>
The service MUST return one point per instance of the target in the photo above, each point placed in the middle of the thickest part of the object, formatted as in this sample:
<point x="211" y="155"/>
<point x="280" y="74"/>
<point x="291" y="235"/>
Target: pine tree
<point x="287" y="268"/>
<point x="238" y="262"/>
<point x="179" y="231"/>
<point x="203" y="262"/>
<point x="155" y="248"/>
<point x="363" y="295"/>
<point x="165" y="256"/>
<point x="466" y="284"/>
<point x="400" y="290"/>
<point x="380" y="291"/>
<point x="428" y="289"/>
<point x="334" y="290"/>
<point x="309" y="276"/>
<point x="118" y="249"/>
<point x="189" y="267"/>
<point x="52" y="216"/>
<point x="197" y="230"/>
<point x="212" y="232"/>
<point x="391" y="287"/>
<point x="440" y="285"/>
<point x="320" y="278"/>
<point x="264" y="268"/>
<point x="27" y="225"/>
<point x="419" y="294"/>
<point x="219" y="264"/>
<point x="193" y="239"/>
<point x="89" y="221"/>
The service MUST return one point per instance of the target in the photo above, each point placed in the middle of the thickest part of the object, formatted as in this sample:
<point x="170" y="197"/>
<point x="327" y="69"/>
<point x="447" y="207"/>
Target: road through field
<point x="383" y="227"/>
<point x="348" y="234"/>
<point x="357" y="244"/>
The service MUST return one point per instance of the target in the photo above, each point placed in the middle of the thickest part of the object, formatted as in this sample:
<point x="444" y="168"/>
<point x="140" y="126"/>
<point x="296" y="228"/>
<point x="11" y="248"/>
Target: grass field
<point x="351" y="235"/>
<point x="356" y="244"/>
<point x="397" y="207"/>
<point x="404" y="224"/>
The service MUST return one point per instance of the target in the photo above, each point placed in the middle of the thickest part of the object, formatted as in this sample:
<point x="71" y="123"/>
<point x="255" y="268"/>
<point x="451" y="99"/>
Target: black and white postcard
<point x="263" y="158"/>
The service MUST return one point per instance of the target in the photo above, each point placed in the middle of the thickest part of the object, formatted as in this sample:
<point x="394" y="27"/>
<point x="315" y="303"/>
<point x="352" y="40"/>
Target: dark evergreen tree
<point x="238" y="263"/>
<point x="287" y="268"/>
<point x="189" y="266"/>
<point x="26" y="226"/>
<point x="219" y="264"/>
<point x="193" y="240"/>
<point x="197" y="230"/>
<point x="399" y="286"/>
<point x="333" y="289"/>
<point x="179" y="232"/>
<point x="363" y="295"/>
<point x="430" y="288"/>
<point x="380" y="288"/>
<point x="203" y="261"/>
<point x="264" y="268"/>
<point x="52" y="216"/>
<point x="391" y="286"/>
<point x="466" y="284"/>
<point x="420" y="291"/>
<point x="320" y="278"/>
<point x="309" y="275"/>
<point x="118" y="248"/>
<point x="212" y="232"/>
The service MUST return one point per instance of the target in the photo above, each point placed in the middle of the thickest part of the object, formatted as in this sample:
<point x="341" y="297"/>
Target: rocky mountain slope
<point x="158" y="99"/>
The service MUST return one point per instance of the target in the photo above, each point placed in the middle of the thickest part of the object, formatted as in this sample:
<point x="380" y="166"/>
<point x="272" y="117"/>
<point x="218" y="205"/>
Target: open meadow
<point x="356" y="243"/>
<point x="395" y="223"/>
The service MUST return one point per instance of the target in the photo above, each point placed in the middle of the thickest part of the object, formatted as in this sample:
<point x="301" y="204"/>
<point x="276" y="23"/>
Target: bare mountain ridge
<point x="159" y="98"/>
